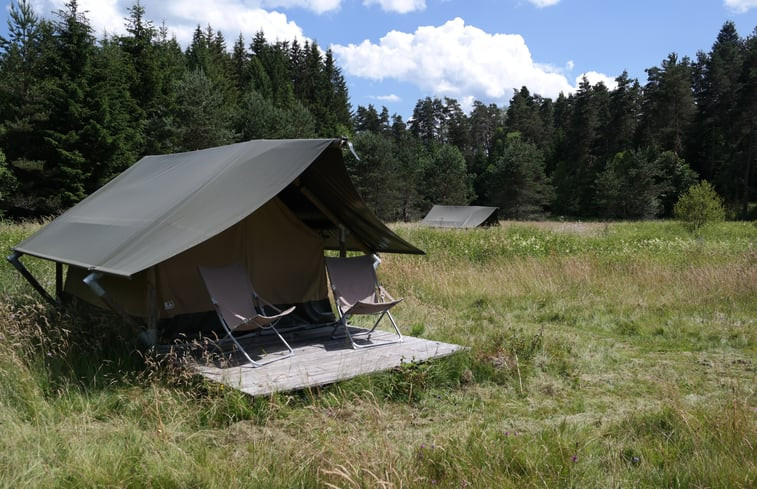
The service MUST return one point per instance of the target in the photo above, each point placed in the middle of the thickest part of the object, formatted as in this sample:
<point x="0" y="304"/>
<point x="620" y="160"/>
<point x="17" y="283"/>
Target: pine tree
<point x="375" y="174"/>
<point x="445" y="178"/>
<point x="367" y="119"/>
<point x="625" y="110"/>
<point x="745" y="123"/>
<point x="712" y="145"/>
<point x="668" y="108"/>
<point x="699" y="206"/>
<point x="427" y="123"/>
<point x="523" y="117"/>
<point x="516" y="181"/>
<point x="630" y="187"/>
<point x="576" y="172"/>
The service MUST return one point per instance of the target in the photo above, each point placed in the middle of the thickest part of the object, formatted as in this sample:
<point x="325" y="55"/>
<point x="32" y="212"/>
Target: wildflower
<point x="574" y="458"/>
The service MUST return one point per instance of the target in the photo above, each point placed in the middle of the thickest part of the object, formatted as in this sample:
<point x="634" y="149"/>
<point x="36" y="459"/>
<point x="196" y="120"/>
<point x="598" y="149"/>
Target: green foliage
<point x="638" y="184"/>
<point x="8" y="182"/>
<point x="377" y="174"/>
<point x="698" y="206"/>
<point x="516" y="182"/>
<point x="206" y="121"/>
<point x="445" y="178"/>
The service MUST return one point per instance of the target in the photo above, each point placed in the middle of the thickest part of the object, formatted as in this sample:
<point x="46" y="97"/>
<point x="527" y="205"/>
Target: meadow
<point x="609" y="355"/>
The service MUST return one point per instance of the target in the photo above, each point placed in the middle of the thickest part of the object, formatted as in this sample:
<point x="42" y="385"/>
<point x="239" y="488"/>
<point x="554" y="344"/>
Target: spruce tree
<point x="25" y="107"/>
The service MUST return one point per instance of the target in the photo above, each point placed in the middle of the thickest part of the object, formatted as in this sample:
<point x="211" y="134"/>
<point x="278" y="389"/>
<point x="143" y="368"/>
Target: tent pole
<point x="342" y="242"/>
<point x="14" y="259"/>
<point x="150" y="336"/>
<point x="331" y="217"/>
<point x="59" y="282"/>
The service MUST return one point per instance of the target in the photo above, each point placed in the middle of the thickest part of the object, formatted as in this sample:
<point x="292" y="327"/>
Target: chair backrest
<point x="352" y="278"/>
<point x="231" y="292"/>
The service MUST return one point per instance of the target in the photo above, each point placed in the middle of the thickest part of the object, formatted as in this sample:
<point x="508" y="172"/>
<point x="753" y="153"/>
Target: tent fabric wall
<point x="283" y="258"/>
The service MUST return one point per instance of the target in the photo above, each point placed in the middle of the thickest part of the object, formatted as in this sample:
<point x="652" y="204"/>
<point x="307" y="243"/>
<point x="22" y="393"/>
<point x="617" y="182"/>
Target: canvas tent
<point x="459" y="216"/>
<point x="273" y="205"/>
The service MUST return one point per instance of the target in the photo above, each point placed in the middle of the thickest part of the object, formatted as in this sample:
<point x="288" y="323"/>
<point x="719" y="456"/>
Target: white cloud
<point x="453" y="60"/>
<point x="399" y="6"/>
<point x="387" y="98"/>
<point x="182" y="16"/>
<point x="740" y="6"/>
<point x="230" y="17"/>
<point x="105" y="16"/>
<point x="595" y="78"/>
<point x="317" y="6"/>
<point x="544" y="3"/>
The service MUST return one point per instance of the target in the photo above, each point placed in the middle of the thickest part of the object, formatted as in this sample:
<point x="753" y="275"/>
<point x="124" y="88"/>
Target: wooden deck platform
<point x="318" y="360"/>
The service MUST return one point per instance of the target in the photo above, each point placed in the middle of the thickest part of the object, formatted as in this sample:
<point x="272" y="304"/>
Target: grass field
<point x="600" y="355"/>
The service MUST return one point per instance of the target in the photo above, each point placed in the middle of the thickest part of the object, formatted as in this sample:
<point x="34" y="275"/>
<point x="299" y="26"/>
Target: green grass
<point x="599" y="355"/>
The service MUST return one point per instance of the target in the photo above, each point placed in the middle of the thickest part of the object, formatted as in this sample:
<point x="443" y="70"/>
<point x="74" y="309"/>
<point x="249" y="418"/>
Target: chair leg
<point x="244" y="352"/>
<point x="260" y="363"/>
<point x="344" y="322"/>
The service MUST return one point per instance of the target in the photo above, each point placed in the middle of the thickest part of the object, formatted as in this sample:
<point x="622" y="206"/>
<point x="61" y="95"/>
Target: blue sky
<point x="394" y="52"/>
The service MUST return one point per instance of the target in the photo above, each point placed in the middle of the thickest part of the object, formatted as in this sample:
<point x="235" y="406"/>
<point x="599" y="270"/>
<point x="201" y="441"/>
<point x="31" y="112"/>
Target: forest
<point x="76" y="110"/>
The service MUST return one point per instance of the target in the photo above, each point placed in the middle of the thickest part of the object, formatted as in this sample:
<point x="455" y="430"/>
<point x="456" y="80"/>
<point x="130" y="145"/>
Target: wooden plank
<point x="319" y="360"/>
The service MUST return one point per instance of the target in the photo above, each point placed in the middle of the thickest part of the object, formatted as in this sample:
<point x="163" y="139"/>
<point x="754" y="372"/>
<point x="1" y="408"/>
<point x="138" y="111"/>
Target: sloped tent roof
<point x="164" y="205"/>
<point x="458" y="216"/>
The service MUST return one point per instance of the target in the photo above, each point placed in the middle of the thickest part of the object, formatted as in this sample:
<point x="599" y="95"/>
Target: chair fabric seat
<point x="357" y="291"/>
<point x="237" y="306"/>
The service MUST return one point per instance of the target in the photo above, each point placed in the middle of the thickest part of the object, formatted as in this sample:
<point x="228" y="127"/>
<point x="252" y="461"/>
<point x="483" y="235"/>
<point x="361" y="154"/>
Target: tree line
<point x="76" y="111"/>
<point x="624" y="153"/>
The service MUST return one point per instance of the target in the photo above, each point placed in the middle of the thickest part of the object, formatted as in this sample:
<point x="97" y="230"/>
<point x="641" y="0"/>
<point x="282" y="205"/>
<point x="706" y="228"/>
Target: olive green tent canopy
<point x="273" y="204"/>
<point x="459" y="216"/>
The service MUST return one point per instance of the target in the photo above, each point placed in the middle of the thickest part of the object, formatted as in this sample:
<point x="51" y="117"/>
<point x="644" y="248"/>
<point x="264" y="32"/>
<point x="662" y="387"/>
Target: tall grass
<point x="599" y="355"/>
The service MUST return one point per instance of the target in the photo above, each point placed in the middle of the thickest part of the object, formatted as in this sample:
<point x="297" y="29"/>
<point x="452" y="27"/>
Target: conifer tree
<point x="713" y="145"/>
<point x="25" y="106"/>
<point x="516" y="181"/>
<point x="668" y="107"/>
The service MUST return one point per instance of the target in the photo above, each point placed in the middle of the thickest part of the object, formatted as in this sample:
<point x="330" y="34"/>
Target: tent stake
<point x="14" y="259"/>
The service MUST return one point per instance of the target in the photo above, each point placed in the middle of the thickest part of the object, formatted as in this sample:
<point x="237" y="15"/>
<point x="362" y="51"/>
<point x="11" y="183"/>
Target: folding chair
<point x="239" y="308"/>
<point x="357" y="291"/>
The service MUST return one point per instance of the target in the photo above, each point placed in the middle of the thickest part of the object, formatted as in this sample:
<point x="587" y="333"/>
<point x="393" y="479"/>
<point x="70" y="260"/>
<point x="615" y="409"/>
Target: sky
<point x="394" y="52"/>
